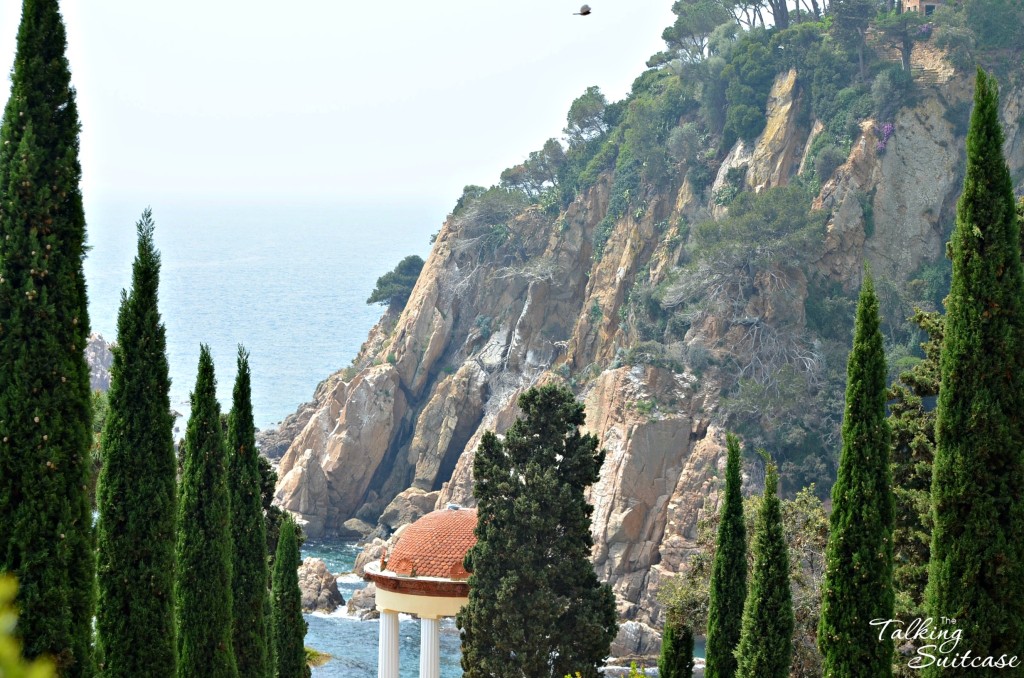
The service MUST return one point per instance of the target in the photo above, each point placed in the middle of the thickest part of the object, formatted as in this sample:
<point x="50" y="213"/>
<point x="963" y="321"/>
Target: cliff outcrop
<point x="502" y="306"/>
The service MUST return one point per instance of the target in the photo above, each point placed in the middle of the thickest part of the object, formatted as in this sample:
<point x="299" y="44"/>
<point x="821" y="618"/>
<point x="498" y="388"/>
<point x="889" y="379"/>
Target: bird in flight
<point x="584" y="11"/>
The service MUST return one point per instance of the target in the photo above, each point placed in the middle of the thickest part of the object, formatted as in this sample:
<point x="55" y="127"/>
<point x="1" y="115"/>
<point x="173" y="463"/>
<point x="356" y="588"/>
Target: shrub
<point x="394" y="287"/>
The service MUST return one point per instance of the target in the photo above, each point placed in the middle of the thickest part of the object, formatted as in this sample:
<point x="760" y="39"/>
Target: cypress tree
<point x="47" y="538"/>
<point x="289" y="626"/>
<point x="728" y="574"/>
<point x="676" y="659"/>
<point x="766" y="641"/>
<point x="136" y="491"/>
<point x="913" y="449"/>
<point x="202" y="589"/>
<point x="249" y="534"/>
<point x="976" y="574"/>
<point x="535" y="605"/>
<point x="857" y="587"/>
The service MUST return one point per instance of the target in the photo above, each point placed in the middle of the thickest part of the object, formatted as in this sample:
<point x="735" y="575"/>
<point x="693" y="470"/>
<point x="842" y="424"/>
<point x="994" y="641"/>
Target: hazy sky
<point x="331" y="99"/>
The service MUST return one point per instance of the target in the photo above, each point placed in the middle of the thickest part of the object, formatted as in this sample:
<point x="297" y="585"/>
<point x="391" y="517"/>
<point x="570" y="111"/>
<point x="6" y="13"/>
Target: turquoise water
<point x="289" y="282"/>
<point x="352" y="644"/>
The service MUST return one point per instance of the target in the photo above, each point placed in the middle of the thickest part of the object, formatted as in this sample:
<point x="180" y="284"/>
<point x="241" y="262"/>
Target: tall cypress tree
<point x="535" y="605"/>
<point x="857" y="587"/>
<point x="913" y="449"/>
<point x="289" y="626"/>
<point x="676" y="659"/>
<point x="728" y="574"/>
<point x="47" y="537"/>
<point x="136" y="492"/>
<point x="249" y="532"/>
<point x="976" y="575"/>
<point x="766" y="641"/>
<point x="202" y="589"/>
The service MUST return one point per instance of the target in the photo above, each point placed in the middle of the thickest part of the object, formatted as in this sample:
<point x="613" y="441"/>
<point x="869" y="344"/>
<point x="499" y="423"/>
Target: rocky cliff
<point x="496" y="311"/>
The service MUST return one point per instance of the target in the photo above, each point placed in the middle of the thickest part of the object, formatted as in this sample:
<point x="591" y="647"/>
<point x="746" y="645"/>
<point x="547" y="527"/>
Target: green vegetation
<point x="913" y="450"/>
<point x="805" y="525"/>
<point x="47" y="540"/>
<point x="535" y="605"/>
<point x="766" y="642"/>
<point x="394" y="287"/>
<point x="202" y="590"/>
<point x="136" y="494"/>
<point x="728" y="574"/>
<point x="316" y="658"/>
<point x="289" y="626"/>
<point x="676" y="659"/>
<point x="12" y="664"/>
<point x="249" y="573"/>
<point x="858" y="575"/>
<point x="977" y="551"/>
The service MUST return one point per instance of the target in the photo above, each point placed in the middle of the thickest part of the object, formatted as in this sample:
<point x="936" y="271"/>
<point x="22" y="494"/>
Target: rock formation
<point x="319" y="587"/>
<point x="393" y="436"/>
<point x="99" y="358"/>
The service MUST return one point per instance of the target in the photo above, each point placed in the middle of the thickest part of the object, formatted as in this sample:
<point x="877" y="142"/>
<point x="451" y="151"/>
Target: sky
<point x="404" y="101"/>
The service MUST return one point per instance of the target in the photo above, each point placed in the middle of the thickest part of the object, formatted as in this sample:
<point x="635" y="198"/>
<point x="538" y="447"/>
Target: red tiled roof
<point x="435" y="545"/>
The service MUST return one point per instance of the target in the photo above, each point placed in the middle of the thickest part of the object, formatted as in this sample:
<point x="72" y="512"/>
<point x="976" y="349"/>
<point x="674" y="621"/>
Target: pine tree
<point x="289" y="626"/>
<point x="728" y="574"/>
<point x="202" y="590"/>
<point x="976" y="575"/>
<point x="676" y="660"/>
<point x="136" y="491"/>
<point x="857" y="587"/>
<point x="47" y="538"/>
<point x="535" y="605"/>
<point x="249" y="533"/>
<point x="766" y="641"/>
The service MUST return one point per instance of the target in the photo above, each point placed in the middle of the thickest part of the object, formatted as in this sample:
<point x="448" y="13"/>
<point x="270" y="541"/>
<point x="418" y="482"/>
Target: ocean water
<point x="289" y="281"/>
<point x="352" y="644"/>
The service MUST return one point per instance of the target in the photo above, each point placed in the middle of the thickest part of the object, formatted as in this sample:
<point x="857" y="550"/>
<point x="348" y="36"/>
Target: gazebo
<point x="423" y="576"/>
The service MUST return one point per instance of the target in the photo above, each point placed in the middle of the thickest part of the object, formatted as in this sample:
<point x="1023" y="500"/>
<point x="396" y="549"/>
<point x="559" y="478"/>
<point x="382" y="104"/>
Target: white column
<point x="430" y="648"/>
<point x="387" y="645"/>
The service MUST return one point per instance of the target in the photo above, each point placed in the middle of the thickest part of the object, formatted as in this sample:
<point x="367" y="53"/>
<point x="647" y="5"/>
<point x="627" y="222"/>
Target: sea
<point x="289" y="281"/>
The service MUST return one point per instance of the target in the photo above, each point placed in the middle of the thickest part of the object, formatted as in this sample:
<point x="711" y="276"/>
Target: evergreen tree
<point x="976" y="575"/>
<point x="676" y="660"/>
<point x="858" y="561"/>
<point x="250" y="573"/>
<point x="913" y="449"/>
<point x="766" y="641"/>
<point x="46" y="538"/>
<point x="202" y="589"/>
<point x="289" y="626"/>
<point x="535" y="605"/>
<point x="728" y="574"/>
<point x="136" y="492"/>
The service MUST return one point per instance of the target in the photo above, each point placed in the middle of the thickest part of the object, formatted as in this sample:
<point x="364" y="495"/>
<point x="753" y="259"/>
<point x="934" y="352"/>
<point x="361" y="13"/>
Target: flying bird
<point x="584" y="11"/>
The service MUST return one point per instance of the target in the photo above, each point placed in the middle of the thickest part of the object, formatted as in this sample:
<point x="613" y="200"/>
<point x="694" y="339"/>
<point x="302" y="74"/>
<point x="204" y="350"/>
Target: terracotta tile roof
<point x="435" y="545"/>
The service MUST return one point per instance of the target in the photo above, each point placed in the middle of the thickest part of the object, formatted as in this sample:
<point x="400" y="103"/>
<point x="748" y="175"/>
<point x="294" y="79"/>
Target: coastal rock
<point x="319" y="587"/>
<point x="636" y="641"/>
<point x="371" y="553"/>
<point x="543" y="297"/>
<point x="99" y="358"/>
<point x="363" y="603"/>
<point x="407" y="507"/>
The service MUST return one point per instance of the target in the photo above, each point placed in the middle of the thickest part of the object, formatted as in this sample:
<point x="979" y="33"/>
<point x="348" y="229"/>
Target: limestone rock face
<point x="504" y="305"/>
<point x="779" y="149"/>
<point x="319" y="587"/>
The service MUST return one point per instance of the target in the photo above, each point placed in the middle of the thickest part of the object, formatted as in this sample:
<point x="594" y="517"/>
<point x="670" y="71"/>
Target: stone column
<point x="387" y="645"/>
<point x="430" y="648"/>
